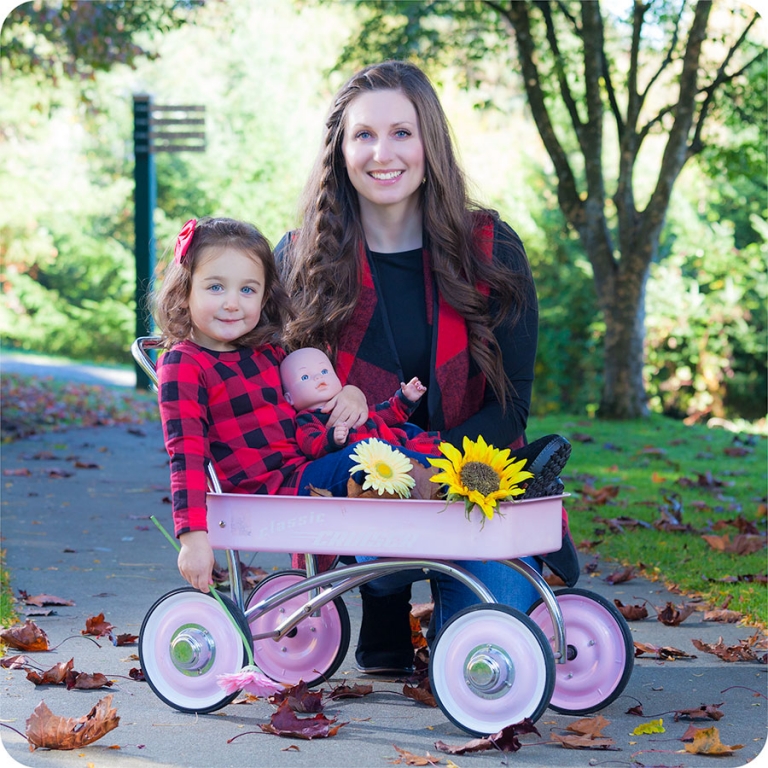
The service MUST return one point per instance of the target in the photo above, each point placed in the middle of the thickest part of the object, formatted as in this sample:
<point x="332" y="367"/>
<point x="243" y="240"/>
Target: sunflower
<point x="386" y="469"/>
<point x="484" y="475"/>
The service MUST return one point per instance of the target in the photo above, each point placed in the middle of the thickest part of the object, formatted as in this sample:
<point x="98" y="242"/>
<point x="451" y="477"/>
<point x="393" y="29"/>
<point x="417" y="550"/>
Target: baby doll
<point x="309" y="382"/>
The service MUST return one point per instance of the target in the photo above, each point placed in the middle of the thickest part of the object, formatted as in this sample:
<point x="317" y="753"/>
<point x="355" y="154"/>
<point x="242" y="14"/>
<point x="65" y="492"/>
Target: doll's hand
<point x="196" y="559"/>
<point x="349" y="406"/>
<point x="340" y="433"/>
<point x="413" y="390"/>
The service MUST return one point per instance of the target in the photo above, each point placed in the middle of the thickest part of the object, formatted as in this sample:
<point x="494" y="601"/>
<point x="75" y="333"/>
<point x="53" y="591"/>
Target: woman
<point x="399" y="274"/>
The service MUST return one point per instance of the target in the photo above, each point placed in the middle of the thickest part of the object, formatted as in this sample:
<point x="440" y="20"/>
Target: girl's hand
<point x="349" y="405"/>
<point x="196" y="559"/>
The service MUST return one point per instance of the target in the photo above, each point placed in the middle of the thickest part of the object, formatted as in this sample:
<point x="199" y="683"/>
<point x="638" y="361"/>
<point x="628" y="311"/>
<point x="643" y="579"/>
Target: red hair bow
<point x="183" y="241"/>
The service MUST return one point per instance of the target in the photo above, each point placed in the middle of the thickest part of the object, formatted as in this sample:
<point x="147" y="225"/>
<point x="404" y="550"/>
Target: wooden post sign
<point x="168" y="128"/>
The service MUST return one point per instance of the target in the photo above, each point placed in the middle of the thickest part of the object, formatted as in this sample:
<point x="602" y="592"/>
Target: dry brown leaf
<point x="408" y="758"/>
<point x="582" y="742"/>
<point x="25" y="637"/>
<point x="421" y="693"/>
<point x="589" y="726"/>
<point x="631" y="612"/>
<point x="95" y="625"/>
<point x="44" y="729"/>
<point x="706" y="741"/>
<point x="56" y="675"/>
<point x="672" y="615"/>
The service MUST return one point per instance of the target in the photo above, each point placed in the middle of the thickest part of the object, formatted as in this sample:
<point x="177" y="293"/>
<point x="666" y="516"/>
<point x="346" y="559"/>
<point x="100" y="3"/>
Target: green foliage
<point x="707" y="347"/>
<point x="706" y="478"/>
<point x="75" y="39"/>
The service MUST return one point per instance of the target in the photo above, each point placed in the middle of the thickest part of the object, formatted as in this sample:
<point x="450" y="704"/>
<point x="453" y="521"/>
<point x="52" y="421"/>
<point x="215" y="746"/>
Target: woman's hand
<point x="196" y="559"/>
<point x="349" y="405"/>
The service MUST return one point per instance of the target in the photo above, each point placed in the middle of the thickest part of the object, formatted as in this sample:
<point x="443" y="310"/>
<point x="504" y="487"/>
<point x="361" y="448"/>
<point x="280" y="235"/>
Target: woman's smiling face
<point x="382" y="148"/>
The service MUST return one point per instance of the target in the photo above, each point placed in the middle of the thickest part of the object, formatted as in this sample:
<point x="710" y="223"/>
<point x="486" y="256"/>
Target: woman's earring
<point x="424" y="180"/>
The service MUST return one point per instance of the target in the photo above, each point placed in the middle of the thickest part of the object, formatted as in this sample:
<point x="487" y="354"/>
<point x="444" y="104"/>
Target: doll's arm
<point x="413" y="390"/>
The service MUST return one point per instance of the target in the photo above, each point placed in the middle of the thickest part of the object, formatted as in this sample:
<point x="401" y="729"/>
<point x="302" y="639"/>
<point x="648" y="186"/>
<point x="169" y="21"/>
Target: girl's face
<point x="383" y="150"/>
<point x="226" y="297"/>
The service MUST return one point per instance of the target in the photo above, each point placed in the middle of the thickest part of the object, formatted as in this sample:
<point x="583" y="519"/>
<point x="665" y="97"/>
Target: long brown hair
<point x="170" y="302"/>
<point x="321" y="269"/>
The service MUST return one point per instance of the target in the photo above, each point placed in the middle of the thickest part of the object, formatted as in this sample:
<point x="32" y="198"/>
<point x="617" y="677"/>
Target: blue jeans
<point x="331" y="471"/>
<point x="451" y="596"/>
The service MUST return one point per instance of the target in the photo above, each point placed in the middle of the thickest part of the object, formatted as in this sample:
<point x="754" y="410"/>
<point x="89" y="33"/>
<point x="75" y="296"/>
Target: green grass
<point x="647" y="460"/>
<point x="8" y="616"/>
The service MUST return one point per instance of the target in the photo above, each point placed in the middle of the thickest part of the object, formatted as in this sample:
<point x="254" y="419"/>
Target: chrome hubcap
<point x="192" y="650"/>
<point x="489" y="671"/>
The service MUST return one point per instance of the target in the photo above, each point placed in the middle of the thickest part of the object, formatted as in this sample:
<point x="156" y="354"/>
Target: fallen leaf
<point x="421" y="693"/>
<point x="408" y="758"/>
<point x="25" y="637"/>
<point x="589" y="726"/>
<point x="654" y="726"/>
<point x="136" y="673"/>
<point x="17" y="472"/>
<point x="95" y="625"/>
<point x="631" y="612"/>
<point x="723" y="615"/>
<point x="124" y="639"/>
<point x="417" y="636"/>
<point x="706" y="741"/>
<point x="345" y="691"/>
<point x="44" y="729"/>
<point x="284" y="722"/>
<point x="744" y="651"/>
<point x="665" y="652"/>
<point x="582" y="742"/>
<point x="14" y="662"/>
<point x="299" y="698"/>
<point x="619" y="577"/>
<point x="85" y="682"/>
<point x="672" y="616"/>
<point x="53" y="676"/>
<point x="704" y="712"/>
<point x="41" y="600"/>
<point x="505" y="740"/>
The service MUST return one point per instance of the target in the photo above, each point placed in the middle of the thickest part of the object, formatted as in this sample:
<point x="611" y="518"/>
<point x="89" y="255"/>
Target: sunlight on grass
<point x="709" y="479"/>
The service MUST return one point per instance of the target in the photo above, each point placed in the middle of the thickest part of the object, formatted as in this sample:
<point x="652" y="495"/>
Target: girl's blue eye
<point x="305" y="377"/>
<point x="215" y="287"/>
<point x="247" y="289"/>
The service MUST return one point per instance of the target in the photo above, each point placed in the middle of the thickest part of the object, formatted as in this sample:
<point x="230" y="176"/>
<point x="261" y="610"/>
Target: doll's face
<point x="309" y="380"/>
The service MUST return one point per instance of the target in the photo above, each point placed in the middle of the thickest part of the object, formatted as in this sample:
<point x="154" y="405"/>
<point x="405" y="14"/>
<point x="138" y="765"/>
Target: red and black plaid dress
<point x="229" y="408"/>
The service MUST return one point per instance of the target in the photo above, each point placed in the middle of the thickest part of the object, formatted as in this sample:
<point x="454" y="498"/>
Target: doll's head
<point x="222" y="288"/>
<point x="309" y="380"/>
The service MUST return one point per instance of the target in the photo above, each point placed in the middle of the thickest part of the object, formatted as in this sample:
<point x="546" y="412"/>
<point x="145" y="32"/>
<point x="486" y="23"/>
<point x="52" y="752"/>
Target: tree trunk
<point x="624" y="313"/>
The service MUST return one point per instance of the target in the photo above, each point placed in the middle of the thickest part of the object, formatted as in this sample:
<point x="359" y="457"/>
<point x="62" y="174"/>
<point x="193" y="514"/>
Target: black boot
<point x="546" y="458"/>
<point x="384" y="645"/>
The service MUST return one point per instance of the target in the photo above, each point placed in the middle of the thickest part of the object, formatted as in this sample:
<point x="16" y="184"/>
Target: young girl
<point x="221" y="309"/>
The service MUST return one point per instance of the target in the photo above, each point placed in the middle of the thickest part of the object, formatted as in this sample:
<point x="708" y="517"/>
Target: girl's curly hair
<point x="169" y="303"/>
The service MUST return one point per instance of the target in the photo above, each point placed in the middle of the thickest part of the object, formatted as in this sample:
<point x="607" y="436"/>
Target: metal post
<point x="145" y="194"/>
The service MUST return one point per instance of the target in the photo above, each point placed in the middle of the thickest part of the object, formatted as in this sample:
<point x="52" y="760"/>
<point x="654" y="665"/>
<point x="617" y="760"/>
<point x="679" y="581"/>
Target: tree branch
<point x="562" y="80"/>
<point x="516" y="15"/>
<point x="667" y="59"/>
<point x="720" y="79"/>
<point x="675" y="152"/>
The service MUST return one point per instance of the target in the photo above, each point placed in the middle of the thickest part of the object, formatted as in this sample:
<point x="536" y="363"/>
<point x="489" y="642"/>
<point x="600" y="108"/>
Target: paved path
<point x="86" y="537"/>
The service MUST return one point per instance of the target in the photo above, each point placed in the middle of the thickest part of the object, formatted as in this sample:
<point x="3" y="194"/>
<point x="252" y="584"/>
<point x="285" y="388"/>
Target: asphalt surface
<point x="76" y="527"/>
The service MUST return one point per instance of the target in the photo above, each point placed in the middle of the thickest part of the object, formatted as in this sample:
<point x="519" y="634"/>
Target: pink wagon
<point x="490" y="665"/>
